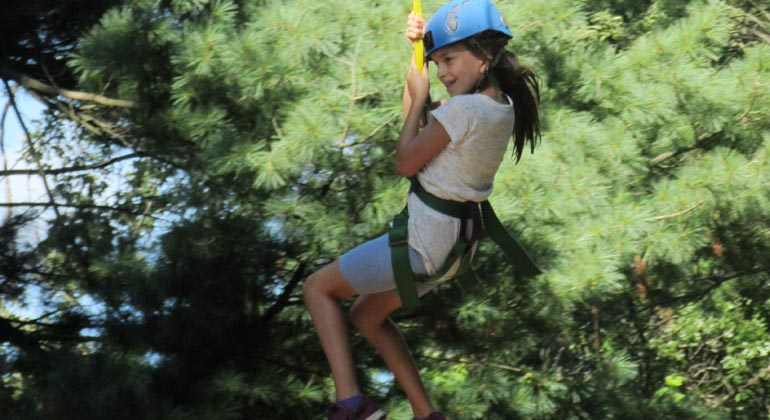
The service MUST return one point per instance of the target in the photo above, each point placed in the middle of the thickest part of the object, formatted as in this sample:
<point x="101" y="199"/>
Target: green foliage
<point x="261" y="149"/>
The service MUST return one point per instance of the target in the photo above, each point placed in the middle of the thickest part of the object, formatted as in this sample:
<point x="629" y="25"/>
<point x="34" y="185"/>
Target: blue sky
<point x="30" y="108"/>
<point x="23" y="188"/>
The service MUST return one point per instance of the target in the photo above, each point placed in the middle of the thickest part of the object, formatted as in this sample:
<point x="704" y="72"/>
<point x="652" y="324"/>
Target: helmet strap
<point x="484" y="79"/>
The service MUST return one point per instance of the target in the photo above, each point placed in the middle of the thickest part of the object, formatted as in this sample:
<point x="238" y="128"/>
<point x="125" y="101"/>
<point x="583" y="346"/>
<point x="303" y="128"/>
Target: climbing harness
<point x="462" y="251"/>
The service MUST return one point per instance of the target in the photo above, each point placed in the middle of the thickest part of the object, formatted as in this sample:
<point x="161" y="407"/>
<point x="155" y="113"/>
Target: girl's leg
<point x="323" y="291"/>
<point x="370" y="314"/>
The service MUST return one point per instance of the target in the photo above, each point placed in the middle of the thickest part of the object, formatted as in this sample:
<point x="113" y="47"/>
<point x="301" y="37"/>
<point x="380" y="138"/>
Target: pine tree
<point x="228" y="149"/>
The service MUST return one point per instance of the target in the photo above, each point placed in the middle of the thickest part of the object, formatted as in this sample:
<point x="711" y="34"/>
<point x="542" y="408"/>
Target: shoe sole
<point x="377" y="415"/>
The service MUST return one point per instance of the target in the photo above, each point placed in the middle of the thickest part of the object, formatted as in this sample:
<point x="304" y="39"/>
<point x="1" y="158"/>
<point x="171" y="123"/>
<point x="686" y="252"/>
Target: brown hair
<point x="516" y="80"/>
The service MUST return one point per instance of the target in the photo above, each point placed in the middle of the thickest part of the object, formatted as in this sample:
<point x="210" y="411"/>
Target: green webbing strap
<point x="459" y="250"/>
<point x="465" y="276"/>
<point x="406" y="281"/>
<point x="515" y="252"/>
<point x="452" y="208"/>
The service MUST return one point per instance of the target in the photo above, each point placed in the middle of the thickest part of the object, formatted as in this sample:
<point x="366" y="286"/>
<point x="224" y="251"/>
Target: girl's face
<point x="458" y="69"/>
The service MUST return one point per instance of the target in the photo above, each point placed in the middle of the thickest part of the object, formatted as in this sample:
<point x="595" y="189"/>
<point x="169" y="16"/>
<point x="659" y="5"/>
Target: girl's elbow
<point x="404" y="169"/>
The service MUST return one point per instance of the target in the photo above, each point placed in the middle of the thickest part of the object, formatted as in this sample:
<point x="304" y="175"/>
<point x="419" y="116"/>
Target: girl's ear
<point x="485" y="65"/>
<point x="488" y="57"/>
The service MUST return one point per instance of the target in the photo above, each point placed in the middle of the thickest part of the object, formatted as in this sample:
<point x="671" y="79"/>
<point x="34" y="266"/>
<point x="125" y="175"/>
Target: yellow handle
<point x="419" y="50"/>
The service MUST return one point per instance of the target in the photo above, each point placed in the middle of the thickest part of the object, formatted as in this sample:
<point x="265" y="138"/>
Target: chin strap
<point x="484" y="79"/>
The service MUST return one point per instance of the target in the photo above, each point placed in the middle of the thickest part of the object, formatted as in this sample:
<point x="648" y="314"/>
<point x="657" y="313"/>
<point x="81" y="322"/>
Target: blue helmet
<point x="461" y="19"/>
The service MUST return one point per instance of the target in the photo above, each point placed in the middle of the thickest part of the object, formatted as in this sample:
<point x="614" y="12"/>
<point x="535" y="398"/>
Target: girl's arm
<point x="416" y="148"/>
<point x="415" y="25"/>
<point x="406" y="103"/>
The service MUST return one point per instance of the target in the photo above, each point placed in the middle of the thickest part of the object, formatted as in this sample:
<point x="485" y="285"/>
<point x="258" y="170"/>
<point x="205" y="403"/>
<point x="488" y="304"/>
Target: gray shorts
<point x="367" y="267"/>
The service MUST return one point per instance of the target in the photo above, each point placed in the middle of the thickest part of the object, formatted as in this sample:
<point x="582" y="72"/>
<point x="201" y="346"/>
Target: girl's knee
<point x="327" y="282"/>
<point x="371" y="312"/>
<point x="364" y="320"/>
<point x="312" y="286"/>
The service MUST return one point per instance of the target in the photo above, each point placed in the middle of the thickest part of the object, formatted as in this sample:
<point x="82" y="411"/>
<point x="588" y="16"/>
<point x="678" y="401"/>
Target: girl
<point x="454" y="156"/>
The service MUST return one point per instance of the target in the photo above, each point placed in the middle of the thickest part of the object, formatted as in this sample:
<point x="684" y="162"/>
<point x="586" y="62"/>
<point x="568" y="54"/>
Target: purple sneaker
<point x="367" y="411"/>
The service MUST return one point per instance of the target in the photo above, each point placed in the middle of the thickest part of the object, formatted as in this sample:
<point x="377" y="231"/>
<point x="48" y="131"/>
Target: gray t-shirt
<point x="479" y="129"/>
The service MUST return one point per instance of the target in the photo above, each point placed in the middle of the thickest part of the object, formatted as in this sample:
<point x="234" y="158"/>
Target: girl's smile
<point x="458" y="69"/>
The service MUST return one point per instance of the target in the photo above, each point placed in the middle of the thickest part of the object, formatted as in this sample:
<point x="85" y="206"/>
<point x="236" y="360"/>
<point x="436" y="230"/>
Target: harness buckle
<point x="396" y="241"/>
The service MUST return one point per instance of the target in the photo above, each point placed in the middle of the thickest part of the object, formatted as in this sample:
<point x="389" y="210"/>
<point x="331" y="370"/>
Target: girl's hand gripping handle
<point x="418" y="85"/>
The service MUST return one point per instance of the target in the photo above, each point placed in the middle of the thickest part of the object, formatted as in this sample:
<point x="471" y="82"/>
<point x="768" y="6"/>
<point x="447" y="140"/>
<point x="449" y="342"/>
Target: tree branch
<point x="78" y="206"/>
<point x="35" y="85"/>
<point x="85" y="120"/>
<point x="283" y="299"/>
<point x="677" y="214"/>
<point x="32" y="149"/>
<point x="68" y="169"/>
<point x="8" y="191"/>
<point x="733" y="392"/>
<point x="97" y="126"/>
<point x="716" y="281"/>
<point x="703" y="140"/>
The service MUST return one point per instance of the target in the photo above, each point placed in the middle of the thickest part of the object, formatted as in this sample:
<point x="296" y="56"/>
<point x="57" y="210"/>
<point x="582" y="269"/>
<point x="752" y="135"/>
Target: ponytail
<point x="516" y="80"/>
